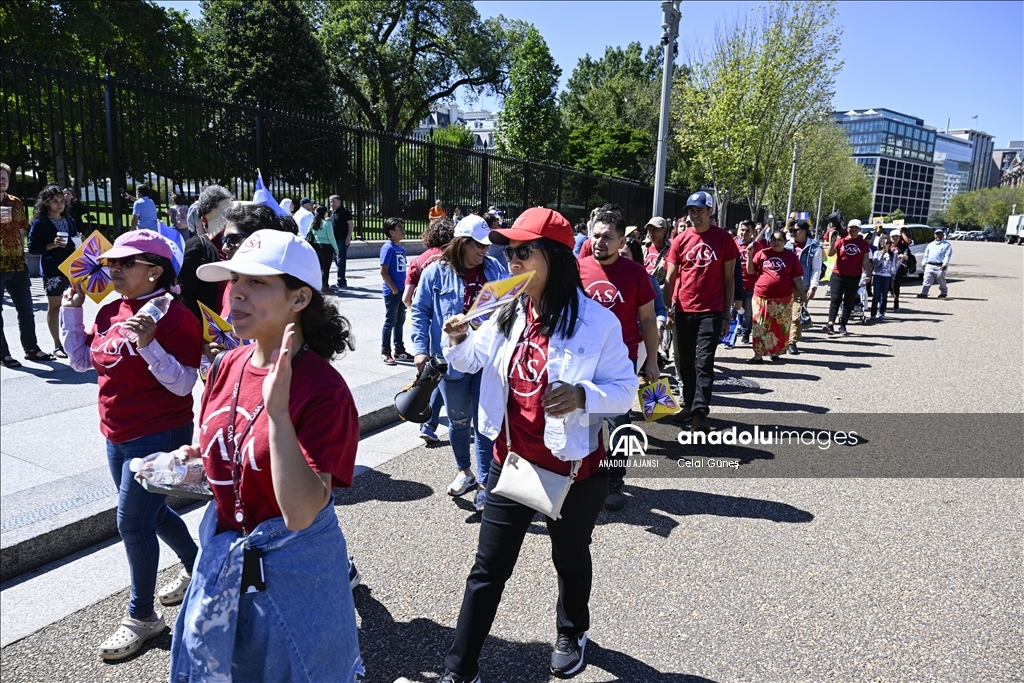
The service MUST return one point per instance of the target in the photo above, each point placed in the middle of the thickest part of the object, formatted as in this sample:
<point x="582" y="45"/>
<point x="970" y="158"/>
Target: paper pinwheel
<point x="656" y="400"/>
<point x="494" y="295"/>
<point x="217" y="330"/>
<point x="83" y="266"/>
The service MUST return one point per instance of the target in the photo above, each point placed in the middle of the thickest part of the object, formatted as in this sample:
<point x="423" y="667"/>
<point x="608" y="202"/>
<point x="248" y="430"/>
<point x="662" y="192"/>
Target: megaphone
<point x="413" y="402"/>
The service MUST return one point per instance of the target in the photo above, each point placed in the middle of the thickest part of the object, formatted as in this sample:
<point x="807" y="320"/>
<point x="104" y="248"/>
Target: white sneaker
<point x="461" y="484"/>
<point x="479" y="500"/>
<point x="174" y="592"/>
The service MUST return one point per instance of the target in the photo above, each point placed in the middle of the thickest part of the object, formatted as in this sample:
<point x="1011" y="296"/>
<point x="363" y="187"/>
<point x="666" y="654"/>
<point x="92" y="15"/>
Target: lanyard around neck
<point x="235" y="454"/>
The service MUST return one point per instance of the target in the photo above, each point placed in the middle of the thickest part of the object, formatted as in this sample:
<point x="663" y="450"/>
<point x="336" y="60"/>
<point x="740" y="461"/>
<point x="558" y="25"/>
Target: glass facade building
<point x="980" y="158"/>
<point x="897" y="152"/>
<point x="952" y="169"/>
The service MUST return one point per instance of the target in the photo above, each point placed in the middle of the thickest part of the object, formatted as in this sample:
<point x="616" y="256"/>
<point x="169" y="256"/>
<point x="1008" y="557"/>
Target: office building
<point x="1002" y="160"/>
<point x="981" y="159"/>
<point x="952" y="170"/>
<point x="897" y="152"/>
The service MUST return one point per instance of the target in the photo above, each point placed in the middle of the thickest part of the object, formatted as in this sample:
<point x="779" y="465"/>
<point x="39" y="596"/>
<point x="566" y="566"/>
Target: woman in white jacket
<point x="554" y="351"/>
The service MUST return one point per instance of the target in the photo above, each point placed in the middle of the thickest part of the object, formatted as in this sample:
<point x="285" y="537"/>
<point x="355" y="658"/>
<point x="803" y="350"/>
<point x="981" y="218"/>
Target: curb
<point x="80" y="534"/>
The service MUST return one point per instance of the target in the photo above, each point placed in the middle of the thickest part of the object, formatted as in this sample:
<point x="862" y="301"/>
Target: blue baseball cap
<point x="305" y="200"/>
<point x="701" y="200"/>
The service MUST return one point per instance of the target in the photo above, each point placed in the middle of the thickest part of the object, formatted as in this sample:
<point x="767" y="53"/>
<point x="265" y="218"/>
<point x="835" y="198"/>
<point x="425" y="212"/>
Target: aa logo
<point x="626" y="443"/>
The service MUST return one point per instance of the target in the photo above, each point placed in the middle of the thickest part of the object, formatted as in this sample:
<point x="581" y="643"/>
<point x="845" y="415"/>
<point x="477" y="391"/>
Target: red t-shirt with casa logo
<point x="701" y="258"/>
<point x="132" y="401"/>
<point x="651" y="257"/>
<point x="622" y="287"/>
<point x="528" y="382"/>
<point x="775" y="273"/>
<point x="326" y="423"/>
<point x="850" y="255"/>
<point x="419" y="264"/>
<point x="757" y="245"/>
<point x="473" y="284"/>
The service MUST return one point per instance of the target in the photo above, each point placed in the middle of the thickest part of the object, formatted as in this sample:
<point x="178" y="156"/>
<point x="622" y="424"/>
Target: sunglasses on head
<point x="126" y="262"/>
<point x="236" y="239"/>
<point x="522" y="252"/>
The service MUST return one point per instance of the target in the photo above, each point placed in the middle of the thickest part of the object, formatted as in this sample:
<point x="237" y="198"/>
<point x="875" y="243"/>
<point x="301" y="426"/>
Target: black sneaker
<point x="827" y="329"/>
<point x="354" y="577"/>
<point x="451" y="677"/>
<point x="615" y="500"/>
<point x="568" y="658"/>
<point x="792" y="350"/>
<point x="942" y="296"/>
<point x="746" y="338"/>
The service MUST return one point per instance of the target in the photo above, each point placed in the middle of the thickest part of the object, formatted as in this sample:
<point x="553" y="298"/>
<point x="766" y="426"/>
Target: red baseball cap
<point x="533" y="224"/>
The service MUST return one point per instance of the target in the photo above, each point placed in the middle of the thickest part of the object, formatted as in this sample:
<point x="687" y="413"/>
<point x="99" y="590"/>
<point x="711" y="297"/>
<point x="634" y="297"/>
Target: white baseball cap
<point x="855" y="223"/>
<point x="268" y="252"/>
<point x="473" y="226"/>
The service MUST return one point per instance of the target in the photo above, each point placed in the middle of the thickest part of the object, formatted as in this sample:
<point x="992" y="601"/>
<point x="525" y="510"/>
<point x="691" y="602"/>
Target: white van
<point x="921" y="234"/>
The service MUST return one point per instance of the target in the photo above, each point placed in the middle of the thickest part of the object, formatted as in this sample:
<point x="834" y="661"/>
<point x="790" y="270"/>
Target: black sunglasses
<point x="235" y="239"/>
<point x="126" y="262"/>
<point x="522" y="252"/>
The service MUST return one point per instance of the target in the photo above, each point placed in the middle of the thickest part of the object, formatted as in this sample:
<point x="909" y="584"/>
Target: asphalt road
<point x="715" y="579"/>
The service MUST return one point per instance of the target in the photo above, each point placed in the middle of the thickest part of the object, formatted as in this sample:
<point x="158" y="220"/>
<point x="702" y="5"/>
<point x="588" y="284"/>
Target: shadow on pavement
<point x="57" y="372"/>
<point x="782" y="406"/>
<point x="774" y="374"/>
<point x="423" y="645"/>
<point x="854" y="354"/>
<point x="376" y="485"/>
<point x="627" y="669"/>
<point x="645" y="508"/>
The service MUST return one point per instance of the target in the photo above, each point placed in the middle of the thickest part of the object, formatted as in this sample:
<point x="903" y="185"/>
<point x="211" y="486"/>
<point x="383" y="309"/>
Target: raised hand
<point x="278" y="383"/>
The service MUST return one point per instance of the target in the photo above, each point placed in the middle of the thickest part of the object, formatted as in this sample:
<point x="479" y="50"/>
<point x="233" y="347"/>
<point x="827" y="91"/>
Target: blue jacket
<point x="810" y="261"/>
<point x="440" y="295"/>
<point x="303" y="624"/>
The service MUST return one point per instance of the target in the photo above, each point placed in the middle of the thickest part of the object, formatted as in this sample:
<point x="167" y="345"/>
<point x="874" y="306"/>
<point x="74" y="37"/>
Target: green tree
<point x="988" y="208"/>
<point x="619" y="150"/>
<point x="393" y="61"/>
<point x="140" y="34"/>
<point x="763" y="80"/>
<point x="529" y="125"/>
<point x="896" y="215"/>
<point x="269" y="44"/>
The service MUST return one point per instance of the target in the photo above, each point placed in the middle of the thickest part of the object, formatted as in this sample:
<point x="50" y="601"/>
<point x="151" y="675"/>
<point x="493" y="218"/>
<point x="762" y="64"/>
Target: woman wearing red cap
<point x="145" y="403"/>
<point x="553" y="353"/>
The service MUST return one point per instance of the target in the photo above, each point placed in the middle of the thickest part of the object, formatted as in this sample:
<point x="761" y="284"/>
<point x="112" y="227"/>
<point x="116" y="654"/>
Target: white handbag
<point x="533" y="486"/>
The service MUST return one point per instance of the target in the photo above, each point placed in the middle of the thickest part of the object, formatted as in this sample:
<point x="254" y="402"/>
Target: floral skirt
<point x="772" y="319"/>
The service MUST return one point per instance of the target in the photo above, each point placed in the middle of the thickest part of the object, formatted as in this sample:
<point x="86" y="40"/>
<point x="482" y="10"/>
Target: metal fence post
<point x="559" y="199"/>
<point x="431" y="170"/>
<point x="259" y="126"/>
<point x="485" y="180"/>
<point x="359" y="182"/>
<point x="526" y="184"/>
<point x="109" y="106"/>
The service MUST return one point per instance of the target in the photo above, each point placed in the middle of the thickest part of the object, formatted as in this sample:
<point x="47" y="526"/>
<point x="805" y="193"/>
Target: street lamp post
<point x="792" y="184"/>
<point x="670" y="16"/>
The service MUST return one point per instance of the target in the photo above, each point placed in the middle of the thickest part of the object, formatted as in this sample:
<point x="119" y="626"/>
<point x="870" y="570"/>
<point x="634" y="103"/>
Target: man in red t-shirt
<point x="701" y="283"/>
<point x="624" y="288"/>
<point x="749" y="243"/>
<point x="853" y="259"/>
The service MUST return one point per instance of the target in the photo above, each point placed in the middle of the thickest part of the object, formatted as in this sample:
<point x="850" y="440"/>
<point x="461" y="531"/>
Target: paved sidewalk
<point x="56" y="495"/>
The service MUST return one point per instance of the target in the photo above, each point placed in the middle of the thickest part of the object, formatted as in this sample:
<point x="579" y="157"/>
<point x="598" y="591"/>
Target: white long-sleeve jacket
<point x="594" y="358"/>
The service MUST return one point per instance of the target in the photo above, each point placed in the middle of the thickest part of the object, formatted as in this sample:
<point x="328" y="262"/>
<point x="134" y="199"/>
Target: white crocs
<point x="130" y="636"/>
<point x="174" y="592"/>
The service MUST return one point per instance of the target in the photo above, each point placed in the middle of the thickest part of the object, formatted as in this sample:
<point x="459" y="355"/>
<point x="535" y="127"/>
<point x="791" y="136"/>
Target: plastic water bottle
<point x="168" y="469"/>
<point x="155" y="308"/>
<point x="554" y="427"/>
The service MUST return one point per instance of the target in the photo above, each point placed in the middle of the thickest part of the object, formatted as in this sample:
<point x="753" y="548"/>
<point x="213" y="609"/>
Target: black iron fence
<point x="99" y="131"/>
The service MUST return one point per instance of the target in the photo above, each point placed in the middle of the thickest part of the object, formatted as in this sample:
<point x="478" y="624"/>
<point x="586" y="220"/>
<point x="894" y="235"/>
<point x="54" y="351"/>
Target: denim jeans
<point x="881" y="293"/>
<point x="394" y="321"/>
<point x="142" y="516"/>
<point x="19" y="287"/>
<point x="503" y="527"/>
<point x="436" y="402"/>
<point x="748" y="312"/>
<point x="462" y="400"/>
<point x="341" y="260"/>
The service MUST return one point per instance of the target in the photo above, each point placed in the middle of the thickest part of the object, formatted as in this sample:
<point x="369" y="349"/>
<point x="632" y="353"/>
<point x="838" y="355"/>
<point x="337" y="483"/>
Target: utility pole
<point x="792" y="184"/>
<point x="817" y="216"/>
<point x="670" y="16"/>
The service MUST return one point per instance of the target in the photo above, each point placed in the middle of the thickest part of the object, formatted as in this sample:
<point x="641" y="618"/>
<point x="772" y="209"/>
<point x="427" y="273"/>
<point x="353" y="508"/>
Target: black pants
<point x="502" y="530"/>
<point x="842" y="289"/>
<point x="325" y="253"/>
<point x="696" y="338"/>
<point x="897" y="280"/>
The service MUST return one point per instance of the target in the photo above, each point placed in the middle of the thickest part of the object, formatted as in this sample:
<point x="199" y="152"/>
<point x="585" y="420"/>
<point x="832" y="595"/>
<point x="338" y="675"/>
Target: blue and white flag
<point x="177" y="245"/>
<point x="262" y="196"/>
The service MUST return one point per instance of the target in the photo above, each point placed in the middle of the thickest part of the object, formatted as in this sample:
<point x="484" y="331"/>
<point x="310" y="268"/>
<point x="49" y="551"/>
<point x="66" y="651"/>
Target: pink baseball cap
<point x="140" y="242"/>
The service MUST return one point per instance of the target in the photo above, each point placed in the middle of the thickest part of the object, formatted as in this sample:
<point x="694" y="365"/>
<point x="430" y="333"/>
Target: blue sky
<point x="933" y="60"/>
